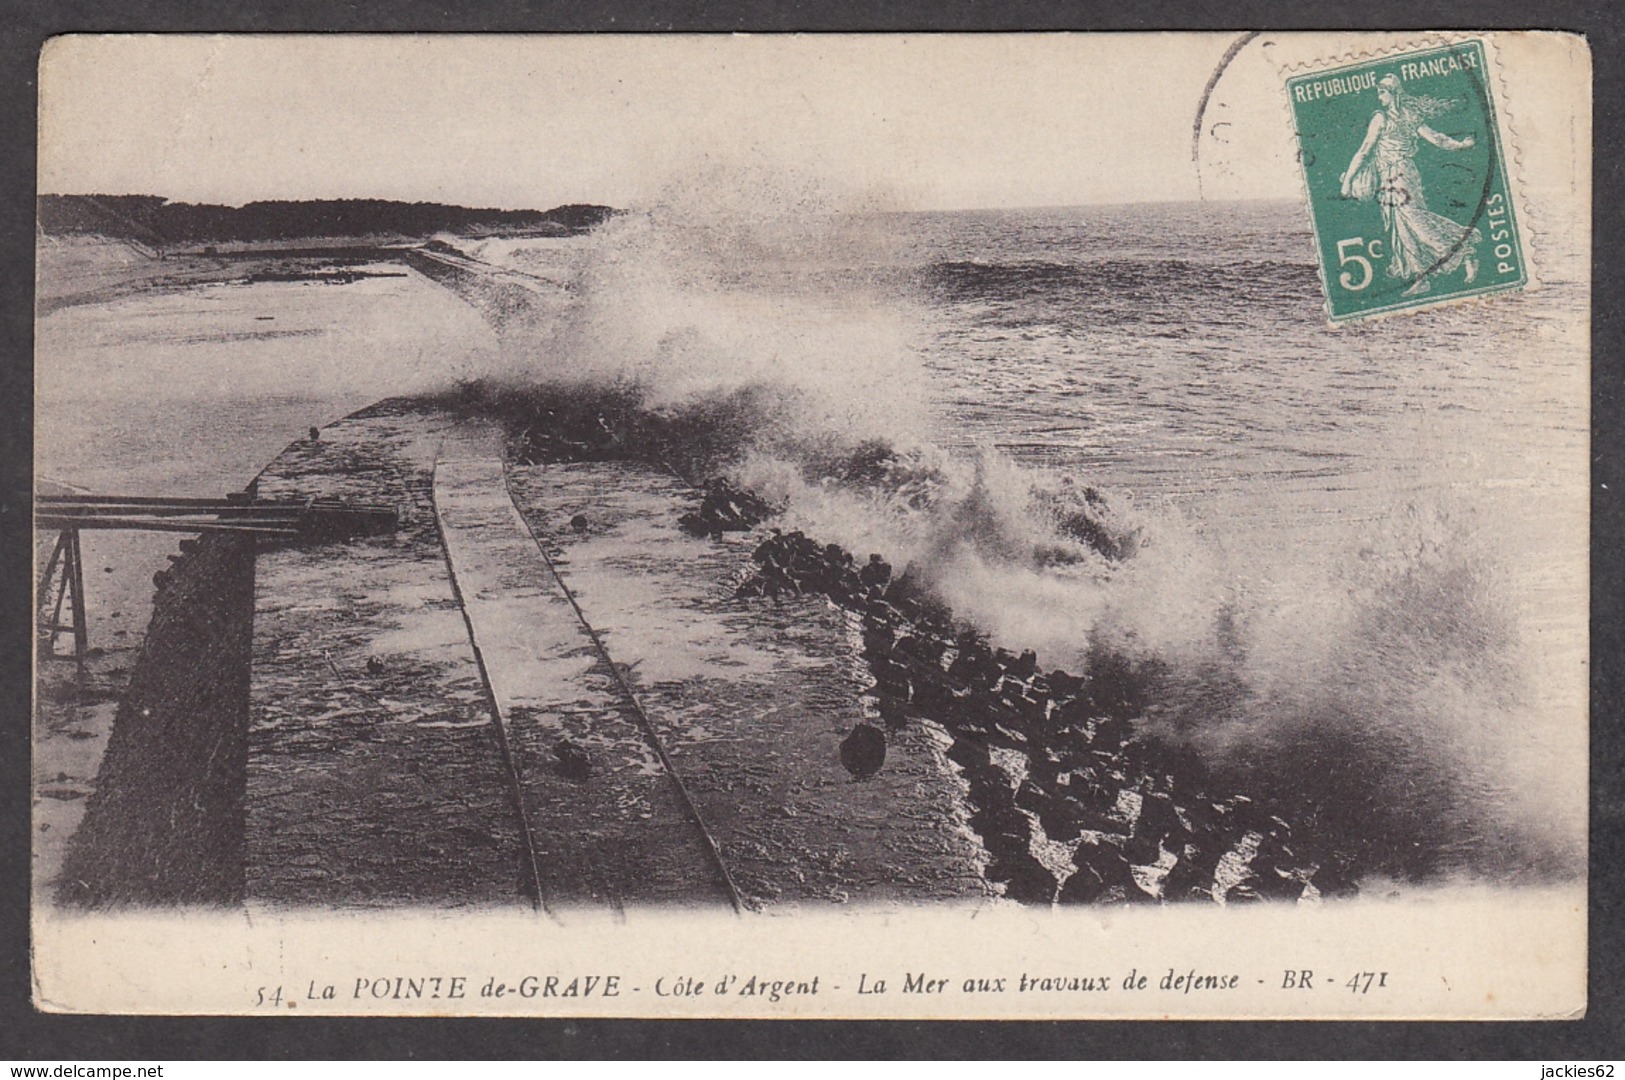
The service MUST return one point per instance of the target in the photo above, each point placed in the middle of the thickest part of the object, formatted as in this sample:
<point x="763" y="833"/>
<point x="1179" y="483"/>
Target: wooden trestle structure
<point x="63" y="582"/>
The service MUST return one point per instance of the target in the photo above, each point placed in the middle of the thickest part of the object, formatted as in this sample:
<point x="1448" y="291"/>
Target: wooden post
<point x="65" y="575"/>
<point x="81" y="625"/>
<point x="44" y="592"/>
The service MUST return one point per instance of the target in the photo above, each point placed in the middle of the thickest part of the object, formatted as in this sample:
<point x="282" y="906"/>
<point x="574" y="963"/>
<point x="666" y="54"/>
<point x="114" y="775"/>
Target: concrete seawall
<point x="310" y="724"/>
<point x="375" y="770"/>
<point x="165" y="824"/>
<point x="498" y="298"/>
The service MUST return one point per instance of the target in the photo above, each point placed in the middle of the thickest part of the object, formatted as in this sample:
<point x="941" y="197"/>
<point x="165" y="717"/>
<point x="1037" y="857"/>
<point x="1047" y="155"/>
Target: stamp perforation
<point x="1509" y="155"/>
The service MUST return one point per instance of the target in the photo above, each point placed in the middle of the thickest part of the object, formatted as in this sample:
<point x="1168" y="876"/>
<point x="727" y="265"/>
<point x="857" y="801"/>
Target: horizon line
<point x="958" y="209"/>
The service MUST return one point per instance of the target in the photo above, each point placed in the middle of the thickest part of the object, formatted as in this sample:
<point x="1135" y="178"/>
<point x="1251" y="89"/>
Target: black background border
<point x="26" y="1034"/>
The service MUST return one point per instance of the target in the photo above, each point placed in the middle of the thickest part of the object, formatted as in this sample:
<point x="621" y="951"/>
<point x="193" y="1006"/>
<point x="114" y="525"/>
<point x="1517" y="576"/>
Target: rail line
<point x="651" y="733"/>
<point x="532" y="863"/>
<point x="529" y="647"/>
<point x="649" y="729"/>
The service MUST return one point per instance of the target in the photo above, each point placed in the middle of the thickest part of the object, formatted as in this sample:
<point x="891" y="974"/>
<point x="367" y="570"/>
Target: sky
<point x="910" y="122"/>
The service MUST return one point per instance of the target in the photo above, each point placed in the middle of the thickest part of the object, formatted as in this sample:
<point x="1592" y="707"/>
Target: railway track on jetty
<point x="553" y="681"/>
<point x="496" y="706"/>
<point x="543" y="687"/>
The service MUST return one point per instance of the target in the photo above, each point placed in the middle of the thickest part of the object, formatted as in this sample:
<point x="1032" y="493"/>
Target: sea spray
<point x="1379" y="685"/>
<point x="686" y="301"/>
<point x="1395" y="671"/>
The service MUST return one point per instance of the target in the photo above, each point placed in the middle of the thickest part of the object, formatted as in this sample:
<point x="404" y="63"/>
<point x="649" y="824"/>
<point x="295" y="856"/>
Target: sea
<point x="1359" y="558"/>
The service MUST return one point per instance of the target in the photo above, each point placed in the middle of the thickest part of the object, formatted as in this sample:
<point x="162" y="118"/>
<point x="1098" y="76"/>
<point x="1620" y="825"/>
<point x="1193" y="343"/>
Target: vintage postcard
<point x="813" y="526"/>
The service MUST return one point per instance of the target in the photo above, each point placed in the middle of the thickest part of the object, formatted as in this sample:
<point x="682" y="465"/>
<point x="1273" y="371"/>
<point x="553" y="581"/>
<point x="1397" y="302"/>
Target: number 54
<point x="1373" y="248"/>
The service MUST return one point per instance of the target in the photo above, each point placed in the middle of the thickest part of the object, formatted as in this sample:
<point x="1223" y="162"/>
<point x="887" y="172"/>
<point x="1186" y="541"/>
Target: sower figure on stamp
<point x="1421" y="244"/>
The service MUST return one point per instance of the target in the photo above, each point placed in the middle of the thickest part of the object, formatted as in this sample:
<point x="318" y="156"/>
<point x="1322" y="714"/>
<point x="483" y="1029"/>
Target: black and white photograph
<point x="812" y="525"/>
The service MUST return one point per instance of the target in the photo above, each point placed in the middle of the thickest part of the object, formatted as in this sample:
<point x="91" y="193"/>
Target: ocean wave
<point x="1380" y="688"/>
<point x="1078" y="279"/>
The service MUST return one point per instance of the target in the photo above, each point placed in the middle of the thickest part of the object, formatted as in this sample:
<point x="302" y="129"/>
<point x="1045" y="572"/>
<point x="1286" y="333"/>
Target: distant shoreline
<point x="158" y="224"/>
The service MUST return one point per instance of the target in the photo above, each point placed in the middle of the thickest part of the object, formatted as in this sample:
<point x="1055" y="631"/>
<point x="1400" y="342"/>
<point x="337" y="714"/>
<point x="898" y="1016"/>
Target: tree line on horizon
<point x="155" y="220"/>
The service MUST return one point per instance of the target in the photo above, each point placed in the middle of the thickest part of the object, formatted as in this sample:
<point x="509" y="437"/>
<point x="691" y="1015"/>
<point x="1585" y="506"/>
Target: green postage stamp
<point x="1407" y="181"/>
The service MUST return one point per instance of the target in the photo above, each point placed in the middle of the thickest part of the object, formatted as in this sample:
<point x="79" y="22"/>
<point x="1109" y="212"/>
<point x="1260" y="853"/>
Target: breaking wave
<point x="763" y="329"/>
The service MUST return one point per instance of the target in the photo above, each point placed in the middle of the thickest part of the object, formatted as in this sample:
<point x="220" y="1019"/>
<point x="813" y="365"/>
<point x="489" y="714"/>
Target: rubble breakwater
<point x="1073" y="801"/>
